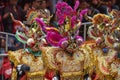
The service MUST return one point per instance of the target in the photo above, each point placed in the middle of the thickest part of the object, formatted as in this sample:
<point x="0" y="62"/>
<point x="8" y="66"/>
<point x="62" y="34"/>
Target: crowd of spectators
<point x="19" y="8"/>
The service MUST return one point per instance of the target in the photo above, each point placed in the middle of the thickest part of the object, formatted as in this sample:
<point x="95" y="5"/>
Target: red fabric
<point x="16" y="24"/>
<point x="1" y="24"/>
<point x="49" y="75"/>
<point x="24" y="77"/>
<point x="95" y="76"/>
<point x="6" y="68"/>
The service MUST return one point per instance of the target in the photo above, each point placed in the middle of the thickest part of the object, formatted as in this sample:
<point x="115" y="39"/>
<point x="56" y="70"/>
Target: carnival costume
<point x="105" y="57"/>
<point x="31" y="57"/>
<point x="64" y="55"/>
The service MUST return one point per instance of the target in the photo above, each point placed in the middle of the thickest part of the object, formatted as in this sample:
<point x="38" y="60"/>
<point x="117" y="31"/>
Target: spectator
<point x="1" y="14"/>
<point x="9" y="26"/>
<point x="114" y="5"/>
<point x="36" y="4"/>
<point x="24" y="4"/>
<point x="17" y="12"/>
<point x="2" y="45"/>
<point x="105" y="5"/>
<point x="83" y="4"/>
<point x="99" y="6"/>
<point x="44" y="12"/>
<point x="2" y="40"/>
<point x="118" y="3"/>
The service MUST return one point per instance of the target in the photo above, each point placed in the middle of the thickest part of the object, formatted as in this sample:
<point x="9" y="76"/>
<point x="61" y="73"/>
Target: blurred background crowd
<point x="19" y="9"/>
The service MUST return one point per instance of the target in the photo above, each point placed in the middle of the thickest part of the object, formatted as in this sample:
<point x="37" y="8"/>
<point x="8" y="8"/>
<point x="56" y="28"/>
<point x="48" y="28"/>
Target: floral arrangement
<point x="66" y="36"/>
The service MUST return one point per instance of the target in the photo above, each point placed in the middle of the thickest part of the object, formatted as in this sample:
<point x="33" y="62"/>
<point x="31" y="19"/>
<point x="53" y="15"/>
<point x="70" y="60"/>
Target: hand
<point x="6" y="15"/>
<point x="12" y="17"/>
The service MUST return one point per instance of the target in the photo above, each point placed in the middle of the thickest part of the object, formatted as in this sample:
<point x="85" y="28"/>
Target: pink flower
<point x="76" y="5"/>
<point x="53" y="38"/>
<point x="61" y="21"/>
<point x="73" y="21"/>
<point x="83" y="12"/>
<point x="63" y="10"/>
<point x="41" y="23"/>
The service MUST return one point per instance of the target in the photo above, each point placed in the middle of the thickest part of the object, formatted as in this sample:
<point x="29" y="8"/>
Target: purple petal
<point x="41" y="23"/>
<point x="76" y="5"/>
<point x="69" y="10"/>
<point x="84" y="11"/>
<point x="64" y="4"/>
<point x="73" y="19"/>
<point x="63" y="9"/>
<point x="81" y="17"/>
<point x="53" y="38"/>
<point x="79" y="37"/>
<point x="58" y="13"/>
<point x="61" y="21"/>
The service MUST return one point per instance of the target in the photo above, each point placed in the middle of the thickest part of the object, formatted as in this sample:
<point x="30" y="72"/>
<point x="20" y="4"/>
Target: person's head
<point x="36" y="3"/>
<point x="14" y="2"/>
<point x="95" y="2"/>
<point x="113" y="2"/>
<point x="1" y="3"/>
<point x="84" y="4"/>
<point x="43" y="3"/>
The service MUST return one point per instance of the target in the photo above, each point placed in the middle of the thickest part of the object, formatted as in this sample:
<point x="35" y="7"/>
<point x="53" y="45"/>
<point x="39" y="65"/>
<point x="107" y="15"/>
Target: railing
<point x="6" y="37"/>
<point x="85" y="25"/>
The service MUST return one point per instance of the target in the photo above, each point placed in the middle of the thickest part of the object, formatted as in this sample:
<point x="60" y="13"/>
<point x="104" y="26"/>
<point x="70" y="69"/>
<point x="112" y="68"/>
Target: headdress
<point x="33" y="37"/>
<point x="66" y="36"/>
<point x="31" y="15"/>
<point x="105" y="32"/>
<point x="104" y="27"/>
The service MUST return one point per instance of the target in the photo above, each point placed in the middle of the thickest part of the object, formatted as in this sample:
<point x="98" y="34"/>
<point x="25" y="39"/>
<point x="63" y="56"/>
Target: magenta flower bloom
<point x="63" y="10"/>
<point x="83" y="12"/>
<point x="53" y="38"/>
<point x="61" y="37"/>
<point x="42" y="25"/>
<point x="73" y="21"/>
<point x="61" y="21"/>
<point x="76" y="5"/>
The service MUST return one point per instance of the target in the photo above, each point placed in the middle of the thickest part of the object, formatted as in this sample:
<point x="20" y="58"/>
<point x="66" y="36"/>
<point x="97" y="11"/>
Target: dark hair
<point x="41" y="1"/>
<point x="23" y="2"/>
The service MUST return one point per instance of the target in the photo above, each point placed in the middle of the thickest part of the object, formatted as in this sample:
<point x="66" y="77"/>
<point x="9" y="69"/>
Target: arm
<point x="6" y="13"/>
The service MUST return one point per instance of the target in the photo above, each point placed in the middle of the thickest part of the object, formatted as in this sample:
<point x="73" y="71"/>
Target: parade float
<point x="60" y="53"/>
